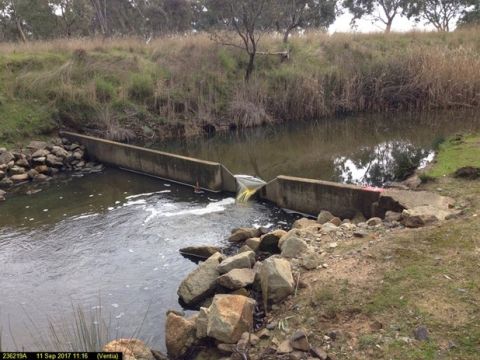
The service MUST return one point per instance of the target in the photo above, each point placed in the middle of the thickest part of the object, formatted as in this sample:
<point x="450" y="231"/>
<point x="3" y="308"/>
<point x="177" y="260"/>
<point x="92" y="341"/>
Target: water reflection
<point x="385" y="162"/>
<point x="361" y="149"/>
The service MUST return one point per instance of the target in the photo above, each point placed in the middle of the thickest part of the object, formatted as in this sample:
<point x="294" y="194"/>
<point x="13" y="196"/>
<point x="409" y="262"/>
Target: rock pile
<point x="40" y="160"/>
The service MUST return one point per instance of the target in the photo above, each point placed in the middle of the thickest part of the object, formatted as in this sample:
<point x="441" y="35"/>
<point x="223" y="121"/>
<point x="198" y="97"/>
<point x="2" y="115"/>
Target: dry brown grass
<point x="175" y="85"/>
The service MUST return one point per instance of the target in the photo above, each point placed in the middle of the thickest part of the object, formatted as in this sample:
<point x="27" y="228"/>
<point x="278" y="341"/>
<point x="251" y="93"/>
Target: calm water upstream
<point x="109" y="242"/>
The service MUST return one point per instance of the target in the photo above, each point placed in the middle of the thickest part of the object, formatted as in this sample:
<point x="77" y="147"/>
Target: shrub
<point x="104" y="90"/>
<point x="141" y="88"/>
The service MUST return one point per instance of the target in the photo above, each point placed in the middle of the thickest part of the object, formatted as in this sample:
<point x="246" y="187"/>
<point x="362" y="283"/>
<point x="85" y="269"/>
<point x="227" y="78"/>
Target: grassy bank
<point x="176" y="86"/>
<point x="376" y="291"/>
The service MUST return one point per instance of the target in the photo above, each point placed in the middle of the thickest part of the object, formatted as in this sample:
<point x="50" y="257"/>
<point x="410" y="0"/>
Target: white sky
<point x="400" y="23"/>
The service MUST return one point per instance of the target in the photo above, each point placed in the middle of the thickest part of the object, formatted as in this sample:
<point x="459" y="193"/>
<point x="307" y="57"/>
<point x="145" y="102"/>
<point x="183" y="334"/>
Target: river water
<point x="109" y="242"/>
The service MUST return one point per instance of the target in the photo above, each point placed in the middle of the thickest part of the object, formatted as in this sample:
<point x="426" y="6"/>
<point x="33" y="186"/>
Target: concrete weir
<point x="306" y="196"/>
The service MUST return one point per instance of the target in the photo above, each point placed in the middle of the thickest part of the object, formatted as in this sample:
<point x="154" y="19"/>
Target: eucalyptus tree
<point x="384" y="11"/>
<point x="470" y="17"/>
<point x="442" y="14"/>
<point x="246" y="19"/>
<point x="292" y="14"/>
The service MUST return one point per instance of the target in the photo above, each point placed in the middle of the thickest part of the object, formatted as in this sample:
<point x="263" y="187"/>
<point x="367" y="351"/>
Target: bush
<point x="141" y="88"/>
<point x="104" y="90"/>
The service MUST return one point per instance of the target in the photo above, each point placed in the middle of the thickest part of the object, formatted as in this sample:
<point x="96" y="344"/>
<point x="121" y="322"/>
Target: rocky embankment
<point x="40" y="161"/>
<point x="236" y="295"/>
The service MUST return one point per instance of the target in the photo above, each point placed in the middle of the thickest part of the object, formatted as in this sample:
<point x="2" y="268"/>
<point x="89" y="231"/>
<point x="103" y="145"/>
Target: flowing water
<point x="110" y="241"/>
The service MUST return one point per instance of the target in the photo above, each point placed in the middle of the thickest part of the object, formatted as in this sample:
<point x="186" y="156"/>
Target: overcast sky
<point x="342" y="24"/>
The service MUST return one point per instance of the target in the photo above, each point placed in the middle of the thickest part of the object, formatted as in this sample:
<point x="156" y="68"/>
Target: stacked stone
<point x="40" y="161"/>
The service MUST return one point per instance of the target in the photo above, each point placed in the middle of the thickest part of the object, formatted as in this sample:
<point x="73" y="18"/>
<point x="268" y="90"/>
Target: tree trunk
<point x="20" y="30"/>
<point x="388" y="29"/>
<point x="286" y="35"/>
<point x="250" y="66"/>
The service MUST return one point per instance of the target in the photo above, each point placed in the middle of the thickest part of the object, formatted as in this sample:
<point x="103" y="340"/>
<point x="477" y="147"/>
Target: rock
<point x="336" y="221"/>
<point x="37" y="145"/>
<point x="17" y="170"/>
<point x="54" y="161"/>
<point x="202" y="323"/>
<point x="324" y="217"/>
<point x="358" y="218"/>
<point x="348" y="226"/>
<point x="311" y="260"/>
<point x="180" y="335"/>
<point x="32" y="173"/>
<point x="41" y="178"/>
<point x="40" y="154"/>
<point x="253" y="243"/>
<point x="293" y="246"/>
<point x="299" y="341"/>
<point x="2" y="195"/>
<point x="23" y="163"/>
<point x="237" y="278"/>
<point x="424" y="215"/>
<point x="239" y="261"/>
<point x="421" y="333"/>
<point x="77" y="154"/>
<point x="6" y="183"/>
<point x="468" y="172"/>
<point x="159" y="355"/>
<point x="375" y="221"/>
<point x="413" y="182"/>
<point x="393" y="216"/>
<point x="201" y="282"/>
<point x="304" y="223"/>
<point x="250" y="338"/>
<point x="319" y="353"/>
<point x="6" y="157"/>
<point x="285" y="347"/>
<point x="42" y="169"/>
<point x="60" y="152"/>
<point x="201" y="252"/>
<point x="244" y="248"/>
<point x="2" y="174"/>
<point x="360" y="233"/>
<point x="132" y="349"/>
<point x="19" y="178"/>
<point x="229" y="317"/>
<point x="328" y="228"/>
<point x="39" y="160"/>
<point x="270" y="242"/>
<point x="276" y="279"/>
<point x="263" y="334"/>
<point x="242" y="234"/>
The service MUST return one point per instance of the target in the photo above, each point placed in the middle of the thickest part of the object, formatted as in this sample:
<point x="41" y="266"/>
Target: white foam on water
<point x="86" y="216"/>
<point x="213" y="207"/>
<point x="136" y="202"/>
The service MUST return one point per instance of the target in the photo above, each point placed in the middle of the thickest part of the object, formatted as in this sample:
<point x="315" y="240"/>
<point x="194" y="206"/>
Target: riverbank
<point x="181" y="86"/>
<point x="375" y="290"/>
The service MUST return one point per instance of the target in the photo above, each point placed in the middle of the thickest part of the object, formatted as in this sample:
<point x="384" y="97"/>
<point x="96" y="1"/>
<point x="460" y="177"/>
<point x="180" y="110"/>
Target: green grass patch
<point x="454" y="154"/>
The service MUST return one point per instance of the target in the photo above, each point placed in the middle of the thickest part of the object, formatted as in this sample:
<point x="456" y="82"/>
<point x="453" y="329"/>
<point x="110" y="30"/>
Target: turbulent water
<point x="109" y="242"/>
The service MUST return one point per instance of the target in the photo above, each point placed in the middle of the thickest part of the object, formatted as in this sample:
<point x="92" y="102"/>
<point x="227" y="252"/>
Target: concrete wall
<point x="311" y="196"/>
<point x="210" y="176"/>
<point x="298" y="194"/>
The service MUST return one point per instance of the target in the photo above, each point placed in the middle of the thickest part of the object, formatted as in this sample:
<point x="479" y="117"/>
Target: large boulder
<point x="40" y="153"/>
<point x="54" y="161"/>
<point x="60" y="152"/>
<point x="132" y="349"/>
<point x="19" y="178"/>
<point x="242" y="234"/>
<point x="201" y="252"/>
<point x="229" y="317"/>
<point x="240" y="261"/>
<point x="237" y="279"/>
<point x="180" y="335"/>
<point x="37" y="145"/>
<point x="276" y="279"/>
<point x="324" y="217"/>
<point x="304" y="223"/>
<point x="425" y="215"/>
<point x="201" y="282"/>
<point x="202" y="323"/>
<point x="269" y="242"/>
<point x="294" y="246"/>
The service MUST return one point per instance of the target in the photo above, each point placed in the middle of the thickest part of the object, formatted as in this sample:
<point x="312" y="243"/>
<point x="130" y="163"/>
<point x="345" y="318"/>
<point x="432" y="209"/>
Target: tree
<point x="292" y="14"/>
<point x="247" y="19"/>
<point x="470" y="17"/>
<point x="74" y="16"/>
<point x="387" y="10"/>
<point x="440" y="13"/>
